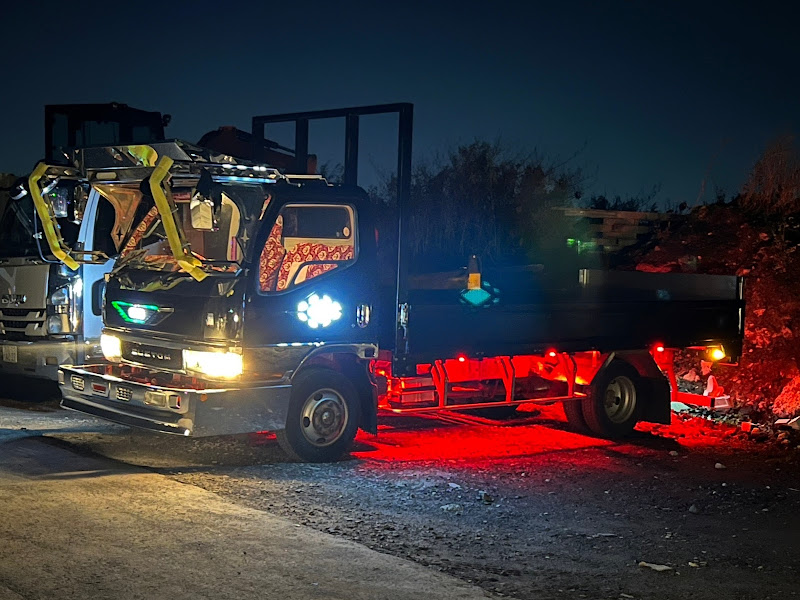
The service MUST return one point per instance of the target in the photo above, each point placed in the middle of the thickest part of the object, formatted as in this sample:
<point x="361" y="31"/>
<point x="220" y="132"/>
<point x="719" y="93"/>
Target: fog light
<point x="718" y="353"/>
<point x="155" y="398"/>
<point x="213" y="364"/>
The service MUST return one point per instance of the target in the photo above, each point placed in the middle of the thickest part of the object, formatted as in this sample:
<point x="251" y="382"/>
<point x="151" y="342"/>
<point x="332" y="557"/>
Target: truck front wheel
<point x="613" y="404"/>
<point x="324" y="412"/>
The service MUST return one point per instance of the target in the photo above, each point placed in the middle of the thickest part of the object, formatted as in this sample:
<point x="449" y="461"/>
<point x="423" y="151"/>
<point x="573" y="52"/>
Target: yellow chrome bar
<point x="51" y="232"/>
<point x="186" y="261"/>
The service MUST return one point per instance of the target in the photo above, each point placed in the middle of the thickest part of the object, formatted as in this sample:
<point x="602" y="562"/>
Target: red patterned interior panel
<point x="140" y="230"/>
<point x="308" y="252"/>
<point x="271" y="257"/>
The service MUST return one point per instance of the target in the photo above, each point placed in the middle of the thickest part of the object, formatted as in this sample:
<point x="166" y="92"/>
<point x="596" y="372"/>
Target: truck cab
<point x="234" y="281"/>
<point x="49" y="313"/>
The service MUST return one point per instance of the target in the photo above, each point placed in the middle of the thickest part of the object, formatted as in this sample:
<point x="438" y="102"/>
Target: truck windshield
<point x="221" y="249"/>
<point x="20" y="223"/>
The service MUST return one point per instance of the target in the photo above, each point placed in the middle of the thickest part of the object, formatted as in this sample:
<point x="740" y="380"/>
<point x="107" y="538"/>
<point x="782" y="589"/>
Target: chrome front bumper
<point x="182" y="411"/>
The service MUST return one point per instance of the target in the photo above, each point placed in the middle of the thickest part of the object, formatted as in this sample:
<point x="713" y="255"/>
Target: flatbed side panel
<point x="446" y="330"/>
<point x="661" y="286"/>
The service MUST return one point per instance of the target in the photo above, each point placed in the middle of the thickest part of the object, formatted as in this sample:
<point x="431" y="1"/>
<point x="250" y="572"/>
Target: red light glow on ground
<point x="533" y="431"/>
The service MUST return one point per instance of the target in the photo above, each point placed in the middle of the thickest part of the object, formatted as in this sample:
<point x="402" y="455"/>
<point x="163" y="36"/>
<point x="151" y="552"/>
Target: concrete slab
<point x="84" y="527"/>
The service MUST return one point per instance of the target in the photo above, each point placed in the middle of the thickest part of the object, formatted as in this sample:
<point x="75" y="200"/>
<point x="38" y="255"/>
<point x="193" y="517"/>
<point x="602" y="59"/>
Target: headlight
<point x="60" y="297"/>
<point x="57" y="324"/>
<point x="112" y="347"/>
<point x="213" y="364"/>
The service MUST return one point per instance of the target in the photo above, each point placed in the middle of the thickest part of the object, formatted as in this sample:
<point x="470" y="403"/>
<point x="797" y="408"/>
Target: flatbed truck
<point x="248" y="299"/>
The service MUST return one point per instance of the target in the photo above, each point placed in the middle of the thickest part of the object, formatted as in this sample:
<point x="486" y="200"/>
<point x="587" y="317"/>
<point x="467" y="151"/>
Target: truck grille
<point x="14" y="324"/>
<point x="21" y="323"/>
<point x="152" y="356"/>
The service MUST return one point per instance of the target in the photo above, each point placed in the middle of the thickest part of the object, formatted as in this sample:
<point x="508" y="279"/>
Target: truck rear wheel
<point x="323" y="416"/>
<point x="573" y="409"/>
<point x="612" y="407"/>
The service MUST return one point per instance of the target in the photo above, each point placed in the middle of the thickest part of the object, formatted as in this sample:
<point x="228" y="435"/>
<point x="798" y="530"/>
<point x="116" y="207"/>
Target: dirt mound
<point x="721" y="239"/>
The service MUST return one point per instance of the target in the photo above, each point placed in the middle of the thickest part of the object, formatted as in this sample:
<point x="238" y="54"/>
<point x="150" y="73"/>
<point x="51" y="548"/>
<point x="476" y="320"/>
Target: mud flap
<point x="656" y="408"/>
<point x="368" y="393"/>
<point x="358" y="373"/>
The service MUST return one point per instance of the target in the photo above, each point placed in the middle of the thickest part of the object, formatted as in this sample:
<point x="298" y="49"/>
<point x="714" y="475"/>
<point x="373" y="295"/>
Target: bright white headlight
<point x="111" y="347"/>
<point x="213" y="364"/>
<point x="319" y="312"/>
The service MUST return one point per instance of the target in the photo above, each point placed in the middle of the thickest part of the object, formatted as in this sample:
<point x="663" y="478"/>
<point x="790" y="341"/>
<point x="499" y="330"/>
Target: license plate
<point x="10" y="354"/>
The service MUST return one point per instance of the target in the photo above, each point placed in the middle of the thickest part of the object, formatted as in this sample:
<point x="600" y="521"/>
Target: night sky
<point x="645" y="93"/>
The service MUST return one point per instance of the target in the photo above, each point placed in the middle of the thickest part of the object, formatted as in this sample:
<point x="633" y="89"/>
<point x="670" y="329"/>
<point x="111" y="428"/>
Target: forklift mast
<point x="79" y="125"/>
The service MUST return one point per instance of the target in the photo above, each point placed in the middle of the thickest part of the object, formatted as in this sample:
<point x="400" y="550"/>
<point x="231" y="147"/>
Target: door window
<point x="306" y="242"/>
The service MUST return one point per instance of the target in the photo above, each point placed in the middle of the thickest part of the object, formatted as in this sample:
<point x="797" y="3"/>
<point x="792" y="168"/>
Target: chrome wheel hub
<point x="620" y="399"/>
<point x="324" y="417"/>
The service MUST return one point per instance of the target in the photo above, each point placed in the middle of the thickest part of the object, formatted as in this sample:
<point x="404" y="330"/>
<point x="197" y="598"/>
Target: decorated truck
<point x="246" y="298"/>
<point x="50" y="300"/>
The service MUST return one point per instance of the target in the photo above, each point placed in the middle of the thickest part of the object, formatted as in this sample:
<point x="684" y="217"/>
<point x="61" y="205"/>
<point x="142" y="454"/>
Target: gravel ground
<point x="524" y="508"/>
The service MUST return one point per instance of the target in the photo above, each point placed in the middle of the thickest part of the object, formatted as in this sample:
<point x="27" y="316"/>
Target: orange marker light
<point x="717" y="354"/>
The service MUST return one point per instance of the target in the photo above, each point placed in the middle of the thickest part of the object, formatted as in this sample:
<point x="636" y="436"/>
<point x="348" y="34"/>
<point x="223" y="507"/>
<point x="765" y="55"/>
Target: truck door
<point x="96" y="232"/>
<point x="315" y="279"/>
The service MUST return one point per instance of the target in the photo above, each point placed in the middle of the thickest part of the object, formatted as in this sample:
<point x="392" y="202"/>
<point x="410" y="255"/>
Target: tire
<point x="613" y="405"/>
<point x="324" y="412"/>
<point x="573" y="409"/>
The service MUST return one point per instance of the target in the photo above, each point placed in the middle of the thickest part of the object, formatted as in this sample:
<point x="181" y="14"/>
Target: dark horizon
<point x="643" y="96"/>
